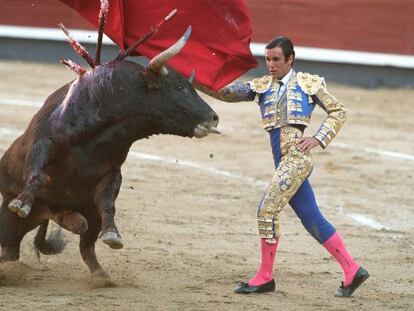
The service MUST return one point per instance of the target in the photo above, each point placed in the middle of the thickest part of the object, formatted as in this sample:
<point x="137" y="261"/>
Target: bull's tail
<point x="54" y="244"/>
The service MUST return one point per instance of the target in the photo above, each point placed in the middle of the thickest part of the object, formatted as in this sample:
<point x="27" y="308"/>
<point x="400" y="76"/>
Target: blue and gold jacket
<point x="295" y="106"/>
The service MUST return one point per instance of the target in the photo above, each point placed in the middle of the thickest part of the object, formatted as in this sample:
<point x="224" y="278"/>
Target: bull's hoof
<point x="100" y="274"/>
<point x="24" y="211"/>
<point x="17" y="206"/>
<point x="112" y="239"/>
<point x="100" y="279"/>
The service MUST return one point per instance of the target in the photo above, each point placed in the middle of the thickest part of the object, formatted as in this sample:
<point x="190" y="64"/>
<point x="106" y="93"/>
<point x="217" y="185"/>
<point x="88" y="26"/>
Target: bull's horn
<point x="191" y="78"/>
<point x="157" y="62"/>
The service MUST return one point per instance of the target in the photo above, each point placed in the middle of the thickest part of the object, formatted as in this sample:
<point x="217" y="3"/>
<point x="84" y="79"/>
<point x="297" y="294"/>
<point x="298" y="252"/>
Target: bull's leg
<point x="10" y="235"/>
<point x="12" y="231"/>
<point x="105" y="196"/>
<point x="87" y="246"/>
<point x="39" y="156"/>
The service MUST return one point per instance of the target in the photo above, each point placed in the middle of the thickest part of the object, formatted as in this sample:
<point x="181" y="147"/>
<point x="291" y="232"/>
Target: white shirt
<point x="283" y="82"/>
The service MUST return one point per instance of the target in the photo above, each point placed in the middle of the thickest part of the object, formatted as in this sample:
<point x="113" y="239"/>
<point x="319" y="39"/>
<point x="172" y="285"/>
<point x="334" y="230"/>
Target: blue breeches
<point x="305" y="207"/>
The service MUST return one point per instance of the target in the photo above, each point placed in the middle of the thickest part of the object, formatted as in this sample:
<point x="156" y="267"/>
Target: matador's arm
<point x="235" y="92"/>
<point x="336" y="116"/>
<point x="315" y="86"/>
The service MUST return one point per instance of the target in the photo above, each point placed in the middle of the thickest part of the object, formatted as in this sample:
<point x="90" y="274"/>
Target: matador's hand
<point x="307" y="143"/>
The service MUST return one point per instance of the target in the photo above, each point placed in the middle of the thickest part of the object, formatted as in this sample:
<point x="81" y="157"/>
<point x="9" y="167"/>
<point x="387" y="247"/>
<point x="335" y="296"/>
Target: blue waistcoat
<point x="293" y="107"/>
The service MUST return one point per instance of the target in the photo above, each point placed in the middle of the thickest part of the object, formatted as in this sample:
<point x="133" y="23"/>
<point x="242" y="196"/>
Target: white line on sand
<point x="10" y="132"/>
<point x="379" y="152"/>
<point x="20" y="102"/>
<point x="249" y="180"/>
<point x="367" y="221"/>
<point x="364" y="220"/>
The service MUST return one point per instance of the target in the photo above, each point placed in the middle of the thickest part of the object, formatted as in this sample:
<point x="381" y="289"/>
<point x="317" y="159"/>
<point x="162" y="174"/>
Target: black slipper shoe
<point x="245" y="288"/>
<point x="360" y="277"/>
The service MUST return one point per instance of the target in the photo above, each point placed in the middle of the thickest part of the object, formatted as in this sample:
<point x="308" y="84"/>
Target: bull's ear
<point x="152" y="80"/>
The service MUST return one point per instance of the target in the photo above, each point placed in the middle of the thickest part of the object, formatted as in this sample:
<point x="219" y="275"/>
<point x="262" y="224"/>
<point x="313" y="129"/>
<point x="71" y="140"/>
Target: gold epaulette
<point x="261" y="85"/>
<point x="310" y="84"/>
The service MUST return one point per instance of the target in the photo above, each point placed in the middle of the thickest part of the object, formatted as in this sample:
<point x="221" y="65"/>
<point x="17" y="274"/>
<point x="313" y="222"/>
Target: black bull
<point x="66" y="166"/>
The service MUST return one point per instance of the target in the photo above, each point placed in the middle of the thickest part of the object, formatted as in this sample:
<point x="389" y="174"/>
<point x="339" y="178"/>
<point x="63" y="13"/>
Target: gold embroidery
<point x="333" y="122"/>
<point x="261" y="85"/>
<point x="269" y="123"/>
<point x="305" y="120"/>
<point x="269" y="110"/>
<point x="310" y="84"/>
<point x="293" y="94"/>
<point x="234" y="92"/>
<point x="272" y="116"/>
<point x="294" y="106"/>
<point x="291" y="101"/>
<point x="293" y="169"/>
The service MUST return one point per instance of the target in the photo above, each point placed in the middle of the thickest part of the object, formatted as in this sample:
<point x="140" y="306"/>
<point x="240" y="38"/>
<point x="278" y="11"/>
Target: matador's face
<point x="276" y="62"/>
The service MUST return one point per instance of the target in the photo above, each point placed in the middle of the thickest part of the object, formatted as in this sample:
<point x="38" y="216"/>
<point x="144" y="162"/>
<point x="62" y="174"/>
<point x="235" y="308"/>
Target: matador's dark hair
<point x="285" y="44"/>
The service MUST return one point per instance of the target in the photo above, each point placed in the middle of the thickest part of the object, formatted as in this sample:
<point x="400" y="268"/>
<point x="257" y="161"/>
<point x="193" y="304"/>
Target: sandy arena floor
<point x="187" y="214"/>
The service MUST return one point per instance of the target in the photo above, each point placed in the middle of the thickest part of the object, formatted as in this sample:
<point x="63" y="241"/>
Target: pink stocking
<point x="335" y="246"/>
<point x="265" y="273"/>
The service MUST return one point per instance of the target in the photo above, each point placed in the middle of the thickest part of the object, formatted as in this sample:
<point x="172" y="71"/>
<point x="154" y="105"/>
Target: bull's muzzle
<point x="207" y="127"/>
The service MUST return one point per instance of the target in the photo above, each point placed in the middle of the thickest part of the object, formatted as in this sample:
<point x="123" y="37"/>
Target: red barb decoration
<point x="73" y="66"/>
<point x="103" y="14"/>
<point x="80" y="50"/>
<point x="144" y="38"/>
<point x="77" y="47"/>
<point x="172" y="13"/>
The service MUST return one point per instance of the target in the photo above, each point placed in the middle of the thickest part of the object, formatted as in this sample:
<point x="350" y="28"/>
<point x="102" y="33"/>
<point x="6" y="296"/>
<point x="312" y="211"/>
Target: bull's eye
<point x="180" y="87"/>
